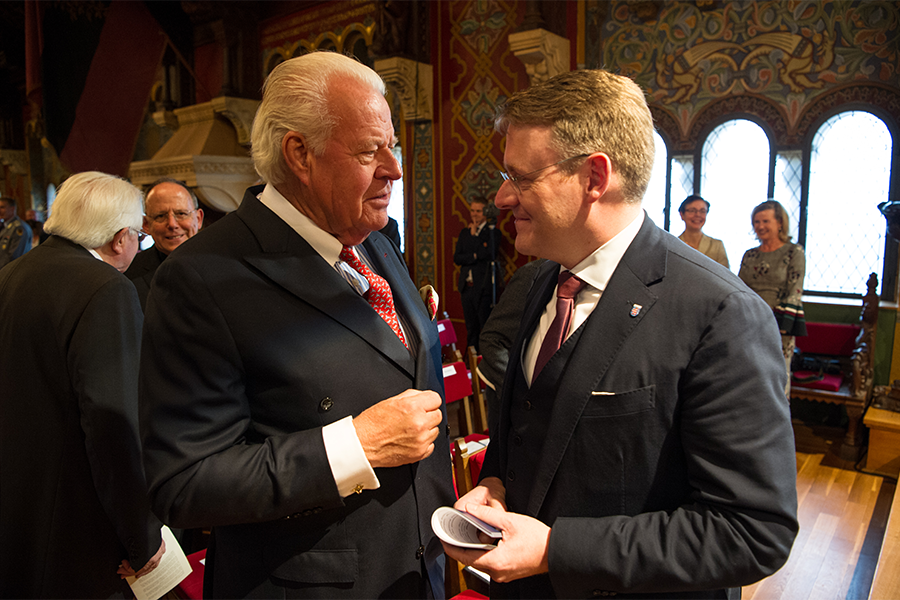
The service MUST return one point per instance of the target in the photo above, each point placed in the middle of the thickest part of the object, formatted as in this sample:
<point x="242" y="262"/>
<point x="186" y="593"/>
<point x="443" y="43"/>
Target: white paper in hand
<point x="461" y="529"/>
<point x="172" y="569"/>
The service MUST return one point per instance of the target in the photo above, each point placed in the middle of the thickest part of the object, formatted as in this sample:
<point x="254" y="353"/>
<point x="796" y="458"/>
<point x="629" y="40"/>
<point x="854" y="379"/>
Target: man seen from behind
<point x="76" y="515"/>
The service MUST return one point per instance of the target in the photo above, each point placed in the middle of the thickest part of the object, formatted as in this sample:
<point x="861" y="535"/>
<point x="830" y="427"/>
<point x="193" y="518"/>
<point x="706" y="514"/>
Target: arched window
<point x="734" y="177"/>
<point x="655" y="197"/>
<point x="849" y="175"/>
<point x="397" y="206"/>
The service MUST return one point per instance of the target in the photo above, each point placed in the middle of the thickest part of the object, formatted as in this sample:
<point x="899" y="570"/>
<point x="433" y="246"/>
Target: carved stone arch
<point x="765" y="112"/>
<point x="327" y="41"/>
<point x="668" y="128"/>
<point x="882" y="101"/>
<point x="412" y="82"/>
<point x="277" y="57"/>
<point x="353" y="32"/>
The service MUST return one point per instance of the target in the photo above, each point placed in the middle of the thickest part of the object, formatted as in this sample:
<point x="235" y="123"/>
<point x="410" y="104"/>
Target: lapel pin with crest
<point x="635" y="310"/>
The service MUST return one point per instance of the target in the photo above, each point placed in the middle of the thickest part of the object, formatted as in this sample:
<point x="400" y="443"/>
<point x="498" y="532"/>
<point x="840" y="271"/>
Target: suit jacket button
<point x="420" y="552"/>
<point x="517" y="440"/>
<point x="527" y="405"/>
<point x="511" y="475"/>
<point x="326" y="404"/>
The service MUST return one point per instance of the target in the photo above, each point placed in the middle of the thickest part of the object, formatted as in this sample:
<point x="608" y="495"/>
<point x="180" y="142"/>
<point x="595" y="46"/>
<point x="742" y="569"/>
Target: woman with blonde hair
<point x="775" y="270"/>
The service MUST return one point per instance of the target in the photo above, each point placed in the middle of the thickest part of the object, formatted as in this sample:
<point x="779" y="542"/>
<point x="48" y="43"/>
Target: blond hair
<point x="591" y="111"/>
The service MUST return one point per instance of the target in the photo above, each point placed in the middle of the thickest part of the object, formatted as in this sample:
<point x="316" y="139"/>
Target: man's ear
<point x="117" y="244"/>
<point x="296" y="155"/>
<point x="199" y="218"/>
<point x="600" y="174"/>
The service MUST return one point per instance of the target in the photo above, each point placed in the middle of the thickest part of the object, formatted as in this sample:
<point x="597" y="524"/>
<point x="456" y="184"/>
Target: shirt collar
<point x="322" y="242"/>
<point x="597" y="269"/>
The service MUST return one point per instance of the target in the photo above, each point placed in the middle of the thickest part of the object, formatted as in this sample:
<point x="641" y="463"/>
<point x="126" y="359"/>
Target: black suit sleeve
<point x="208" y="457"/>
<point x="103" y="361"/>
<point x="500" y="329"/>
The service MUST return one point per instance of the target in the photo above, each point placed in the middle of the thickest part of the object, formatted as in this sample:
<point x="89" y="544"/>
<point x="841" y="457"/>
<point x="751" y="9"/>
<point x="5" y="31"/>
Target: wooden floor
<point x="843" y="513"/>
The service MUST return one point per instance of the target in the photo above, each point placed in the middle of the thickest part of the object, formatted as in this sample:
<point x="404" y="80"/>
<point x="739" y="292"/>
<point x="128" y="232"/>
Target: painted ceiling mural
<point x="690" y="54"/>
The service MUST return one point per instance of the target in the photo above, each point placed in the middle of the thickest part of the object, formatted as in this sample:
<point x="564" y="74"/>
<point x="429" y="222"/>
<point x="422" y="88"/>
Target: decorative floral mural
<point x="688" y="55"/>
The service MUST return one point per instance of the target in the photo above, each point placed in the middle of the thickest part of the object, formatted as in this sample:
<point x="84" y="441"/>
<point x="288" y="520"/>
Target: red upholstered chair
<point x="848" y="349"/>
<point x="191" y="588"/>
<point x="468" y="456"/>
<point x="469" y="595"/>
<point x="458" y="388"/>
<point x="478" y="385"/>
<point x="447" y="334"/>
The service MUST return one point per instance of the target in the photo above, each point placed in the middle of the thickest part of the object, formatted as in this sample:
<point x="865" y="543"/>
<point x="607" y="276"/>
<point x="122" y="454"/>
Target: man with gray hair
<point x="290" y="374"/>
<point x="72" y="487"/>
<point x="644" y="447"/>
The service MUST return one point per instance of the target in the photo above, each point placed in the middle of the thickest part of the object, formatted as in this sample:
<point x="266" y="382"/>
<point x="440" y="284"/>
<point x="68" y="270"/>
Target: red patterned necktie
<point x="568" y="287"/>
<point x="379" y="295"/>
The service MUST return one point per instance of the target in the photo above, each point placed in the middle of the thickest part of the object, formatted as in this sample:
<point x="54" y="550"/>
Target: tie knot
<point x="347" y="254"/>
<point x="569" y="285"/>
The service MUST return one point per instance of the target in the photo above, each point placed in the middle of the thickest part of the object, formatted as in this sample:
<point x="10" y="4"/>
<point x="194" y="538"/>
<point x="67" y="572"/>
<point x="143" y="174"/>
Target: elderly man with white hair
<point x="76" y="516"/>
<point x="290" y="374"/>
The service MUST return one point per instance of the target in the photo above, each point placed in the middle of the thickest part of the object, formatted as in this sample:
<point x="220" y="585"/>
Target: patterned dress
<point x="777" y="277"/>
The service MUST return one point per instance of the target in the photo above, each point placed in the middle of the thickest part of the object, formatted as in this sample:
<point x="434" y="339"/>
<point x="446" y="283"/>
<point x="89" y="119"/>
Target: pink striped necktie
<point x="379" y="294"/>
<point x="568" y="287"/>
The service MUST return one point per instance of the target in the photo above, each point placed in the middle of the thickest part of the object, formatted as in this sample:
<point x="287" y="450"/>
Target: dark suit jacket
<point x="72" y="489"/>
<point x="252" y="344"/>
<point x="473" y="253"/>
<point x="665" y="458"/>
<point x="142" y="269"/>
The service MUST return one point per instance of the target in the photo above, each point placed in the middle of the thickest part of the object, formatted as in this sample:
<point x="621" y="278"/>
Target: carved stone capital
<point x="544" y="54"/>
<point x="413" y="83"/>
<point x="240" y="111"/>
<point x="16" y="160"/>
<point x="219" y="181"/>
<point x="166" y="118"/>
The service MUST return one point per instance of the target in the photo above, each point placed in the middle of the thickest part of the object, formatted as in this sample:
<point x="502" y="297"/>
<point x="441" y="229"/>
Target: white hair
<point x="92" y="207"/>
<point x="295" y="98"/>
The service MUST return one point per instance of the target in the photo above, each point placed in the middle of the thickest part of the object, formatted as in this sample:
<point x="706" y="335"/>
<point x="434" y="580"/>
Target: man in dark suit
<point x="72" y="488"/>
<point x="476" y="247"/>
<point x="498" y="334"/>
<point x="645" y="445"/>
<point x="284" y="401"/>
<point x="172" y="216"/>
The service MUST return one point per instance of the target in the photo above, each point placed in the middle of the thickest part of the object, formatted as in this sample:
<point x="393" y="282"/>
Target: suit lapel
<point x="288" y="260"/>
<point x="604" y="334"/>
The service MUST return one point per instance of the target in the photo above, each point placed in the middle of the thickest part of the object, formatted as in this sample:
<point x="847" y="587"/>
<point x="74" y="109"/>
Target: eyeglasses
<point x="180" y="215"/>
<point x="696" y="211"/>
<point x="141" y="236"/>
<point x="516" y="181"/>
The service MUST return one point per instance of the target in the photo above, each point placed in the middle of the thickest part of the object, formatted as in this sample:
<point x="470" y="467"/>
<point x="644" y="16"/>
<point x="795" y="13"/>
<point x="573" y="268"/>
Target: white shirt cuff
<point x="349" y="465"/>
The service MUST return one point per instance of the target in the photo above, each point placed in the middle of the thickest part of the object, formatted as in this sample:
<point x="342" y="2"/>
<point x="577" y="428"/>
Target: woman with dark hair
<point x="775" y="270"/>
<point x="693" y="212"/>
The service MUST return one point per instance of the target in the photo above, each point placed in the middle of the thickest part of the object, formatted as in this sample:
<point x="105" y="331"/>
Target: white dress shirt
<point x="595" y="271"/>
